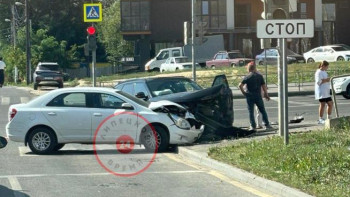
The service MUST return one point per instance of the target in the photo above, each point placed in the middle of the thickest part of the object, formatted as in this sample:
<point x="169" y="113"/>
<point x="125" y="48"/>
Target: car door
<point x="70" y="116"/>
<point x="318" y="54"/>
<point x="105" y="118"/>
<point x="329" y="54"/>
<point x="225" y="60"/>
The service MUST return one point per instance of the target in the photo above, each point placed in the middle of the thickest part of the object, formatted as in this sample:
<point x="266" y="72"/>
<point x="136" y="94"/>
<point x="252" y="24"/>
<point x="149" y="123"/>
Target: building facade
<point x="157" y="24"/>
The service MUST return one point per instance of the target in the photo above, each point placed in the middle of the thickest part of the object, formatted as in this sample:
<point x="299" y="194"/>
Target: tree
<point x="110" y="34"/>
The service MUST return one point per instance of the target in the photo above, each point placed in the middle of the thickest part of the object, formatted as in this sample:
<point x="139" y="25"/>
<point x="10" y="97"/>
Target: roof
<point x="152" y="78"/>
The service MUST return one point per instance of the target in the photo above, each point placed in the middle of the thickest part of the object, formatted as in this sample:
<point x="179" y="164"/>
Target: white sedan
<point x="74" y="115"/>
<point x="342" y="86"/>
<point x="176" y="63"/>
<point x="330" y="53"/>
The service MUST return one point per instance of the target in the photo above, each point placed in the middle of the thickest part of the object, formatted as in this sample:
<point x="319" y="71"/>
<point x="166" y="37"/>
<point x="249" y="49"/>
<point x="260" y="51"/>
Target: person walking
<point x="2" y="72"/>
<point x="254" y="83"/>
<point x="322" y="91"/>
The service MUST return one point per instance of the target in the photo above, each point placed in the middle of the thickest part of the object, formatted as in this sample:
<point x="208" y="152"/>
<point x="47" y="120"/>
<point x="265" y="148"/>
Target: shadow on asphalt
<point x="5" y="191"/>
<point x="211" y="136"/>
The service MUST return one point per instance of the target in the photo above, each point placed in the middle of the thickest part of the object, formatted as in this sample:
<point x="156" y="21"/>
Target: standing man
<point x="322" y="93"/>
<point x="2" y="72"/>
<point x="254" y="83"/>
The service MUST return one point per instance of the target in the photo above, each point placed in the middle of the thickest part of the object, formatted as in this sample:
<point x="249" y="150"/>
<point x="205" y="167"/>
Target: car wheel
<point x="233" y="65"/>
<point x="60" y="85"/>
<point x="58" y="147"/>
<point x="35" y="86"/>
<point x="310" y="60"/>
<point x="212" y="67"/>
<point x="347" y="93"/>
<point x="42" y="140"/>
<point x="163" y="70"/>
<point x="340" y="58"/>
<point x="150" y="141"/>
<point x="261" y="63"/>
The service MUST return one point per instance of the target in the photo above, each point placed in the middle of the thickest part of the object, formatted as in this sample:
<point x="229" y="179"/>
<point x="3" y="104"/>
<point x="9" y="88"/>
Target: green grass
<point x="316" y="162"/>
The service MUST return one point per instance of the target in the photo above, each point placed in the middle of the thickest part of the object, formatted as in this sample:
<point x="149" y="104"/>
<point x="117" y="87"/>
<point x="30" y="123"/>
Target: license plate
<point x="48" y="78"/>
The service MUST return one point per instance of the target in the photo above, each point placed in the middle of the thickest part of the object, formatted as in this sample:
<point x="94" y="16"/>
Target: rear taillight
<point x="12" y="114"/>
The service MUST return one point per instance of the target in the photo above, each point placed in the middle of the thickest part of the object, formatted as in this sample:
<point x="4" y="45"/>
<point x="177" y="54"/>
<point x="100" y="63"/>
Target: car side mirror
<point x="3" y="142"/>
<point x="127" y="106"/>
<point x="141" y="95"/>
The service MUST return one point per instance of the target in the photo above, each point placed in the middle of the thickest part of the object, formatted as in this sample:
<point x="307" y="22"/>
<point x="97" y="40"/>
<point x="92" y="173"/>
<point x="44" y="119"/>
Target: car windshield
<point x="235" y="55"/>
<point x="339" y="48"/>
<point x="135" y="99"/>
<point x="49" y="67"/>
<point x="182" y="60"/>
<point x="162" y="86"/>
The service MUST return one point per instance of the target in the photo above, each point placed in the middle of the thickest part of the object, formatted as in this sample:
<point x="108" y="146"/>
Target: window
<point x="329" y="12"/>
<point x="135" y="15"/>
<point x="110" y="101"/>
<point x="176" y="53"/>
<point x="140" y="87"/>
<point x="303" y="10"/>
<point x="163" y="55"/>
<point x="319" y="50"/>
<point x="212" y="13"/>
<point x="128" y="88"/>
<point x="218" y="56"/>
<point x="69" y="100"/>
<point x="242" y="15"/>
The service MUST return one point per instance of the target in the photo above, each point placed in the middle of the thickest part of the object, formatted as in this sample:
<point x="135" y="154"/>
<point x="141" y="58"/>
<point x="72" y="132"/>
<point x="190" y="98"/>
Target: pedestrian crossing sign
<point x="92" y="12"/>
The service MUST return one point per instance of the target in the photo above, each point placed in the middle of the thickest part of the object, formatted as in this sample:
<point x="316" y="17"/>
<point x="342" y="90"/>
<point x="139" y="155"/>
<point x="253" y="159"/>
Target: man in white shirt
<point x="322" y="93"/>
<point x="2" y="70"/>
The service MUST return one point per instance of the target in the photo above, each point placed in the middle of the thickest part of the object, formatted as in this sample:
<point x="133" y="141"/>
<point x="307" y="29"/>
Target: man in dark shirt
<point x="254" y="83"/>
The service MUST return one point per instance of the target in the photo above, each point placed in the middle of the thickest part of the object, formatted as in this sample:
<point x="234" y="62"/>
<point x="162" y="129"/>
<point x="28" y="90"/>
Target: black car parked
<point x="48" y="74"/>
<point x="211" y="106"/>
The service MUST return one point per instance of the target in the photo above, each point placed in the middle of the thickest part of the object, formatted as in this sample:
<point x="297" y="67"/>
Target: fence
<point x="100" y="71"/>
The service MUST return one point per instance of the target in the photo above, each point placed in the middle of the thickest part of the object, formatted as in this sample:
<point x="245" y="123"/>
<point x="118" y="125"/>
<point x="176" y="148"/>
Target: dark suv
<point x="48" y="74"/>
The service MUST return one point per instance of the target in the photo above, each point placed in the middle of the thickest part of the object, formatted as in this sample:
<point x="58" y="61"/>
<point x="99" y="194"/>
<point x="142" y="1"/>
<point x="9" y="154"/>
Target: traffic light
<point x="279" y="9"/>
<point x="275" y="9"/>
<point x="91" y="38"/>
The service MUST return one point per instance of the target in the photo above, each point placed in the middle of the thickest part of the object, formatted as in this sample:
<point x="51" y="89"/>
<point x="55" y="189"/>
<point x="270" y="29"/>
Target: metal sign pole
<point x="280" y="90"/>
<point x="193" y="37"/>
<point x="285" y="91"/>
<point x="93" y="68"/>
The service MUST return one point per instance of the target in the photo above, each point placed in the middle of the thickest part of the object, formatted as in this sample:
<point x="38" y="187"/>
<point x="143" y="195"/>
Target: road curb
<point x="241" y="175"/>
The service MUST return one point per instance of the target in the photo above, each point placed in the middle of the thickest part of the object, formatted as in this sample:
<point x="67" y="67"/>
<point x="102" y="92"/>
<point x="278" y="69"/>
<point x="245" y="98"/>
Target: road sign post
<point x="282" y="29"/>
<point x="92" y="13"/>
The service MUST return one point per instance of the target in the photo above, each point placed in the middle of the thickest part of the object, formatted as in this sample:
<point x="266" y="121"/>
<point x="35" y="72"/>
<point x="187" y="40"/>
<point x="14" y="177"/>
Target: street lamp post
<point x="28" y="64"/>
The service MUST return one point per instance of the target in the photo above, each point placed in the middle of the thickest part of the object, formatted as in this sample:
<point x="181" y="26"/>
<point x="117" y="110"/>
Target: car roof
<point x="151" y="79"/>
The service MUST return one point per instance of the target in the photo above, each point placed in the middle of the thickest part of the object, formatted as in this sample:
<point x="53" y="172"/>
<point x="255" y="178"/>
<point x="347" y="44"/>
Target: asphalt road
<point x="74" y="171"/>
<point x="305" y="105"/>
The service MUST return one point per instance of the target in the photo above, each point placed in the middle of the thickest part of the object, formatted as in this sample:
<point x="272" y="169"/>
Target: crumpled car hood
<point x="212" y="106"/>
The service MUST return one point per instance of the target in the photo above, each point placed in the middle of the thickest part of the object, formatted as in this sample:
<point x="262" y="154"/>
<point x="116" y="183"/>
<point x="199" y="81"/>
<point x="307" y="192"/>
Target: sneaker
<point x="259" y="127"/>
<point x="251" y="128"/>
<point x="321" y="121"/>
<point x="268" y="128"/>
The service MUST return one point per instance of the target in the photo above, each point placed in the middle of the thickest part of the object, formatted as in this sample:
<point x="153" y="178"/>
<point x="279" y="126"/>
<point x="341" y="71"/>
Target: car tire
<point x="42" y="140"/>
<point x="60" y="85"/>
<point x="212" y="67"/>
<point x="156" y="70"/>
<point x="35" y="86"/>
<point x="310" y="60"/>
<point x="233" y="65"/>
<point x="341" y="58"/>
<point x="58" y="147"/>
<point x="347" y="93"/>
<point x="261" y="63"/>
<point x="162" y="139"/>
